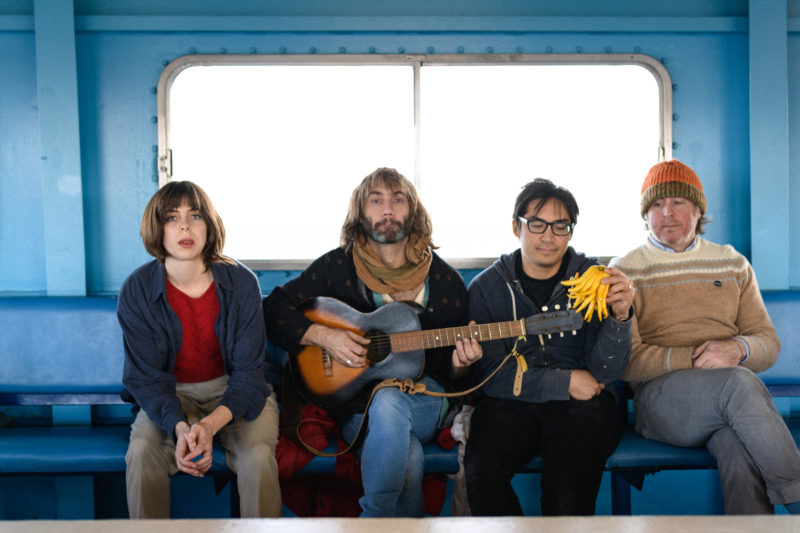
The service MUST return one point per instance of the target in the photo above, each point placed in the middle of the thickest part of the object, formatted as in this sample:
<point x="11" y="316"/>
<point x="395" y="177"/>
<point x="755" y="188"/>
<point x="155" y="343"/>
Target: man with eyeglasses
<point x="700" y="332"/>
<point x="561" y="408"/>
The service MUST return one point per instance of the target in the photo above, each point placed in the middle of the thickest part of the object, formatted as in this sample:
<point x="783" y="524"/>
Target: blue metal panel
<point x="74" y="497"/>
<point x="425" y="8"/>
<point x="769" y="145"/>
<point x="118" y="72"/>
<point x="195" y="23"/>
<point x="794" y="159"/>
<point x="61" y="166"/>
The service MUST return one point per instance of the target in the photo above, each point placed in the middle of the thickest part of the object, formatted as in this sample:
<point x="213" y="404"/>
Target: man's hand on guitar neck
<point x="467" y="352"/>
<point x="345" y="346"/>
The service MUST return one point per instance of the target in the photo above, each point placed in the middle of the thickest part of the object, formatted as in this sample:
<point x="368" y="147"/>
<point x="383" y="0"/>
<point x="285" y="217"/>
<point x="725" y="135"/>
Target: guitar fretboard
<point x="436" y="338"/>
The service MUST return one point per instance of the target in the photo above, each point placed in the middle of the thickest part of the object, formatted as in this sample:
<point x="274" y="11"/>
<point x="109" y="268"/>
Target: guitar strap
<point x="411" y="387"/>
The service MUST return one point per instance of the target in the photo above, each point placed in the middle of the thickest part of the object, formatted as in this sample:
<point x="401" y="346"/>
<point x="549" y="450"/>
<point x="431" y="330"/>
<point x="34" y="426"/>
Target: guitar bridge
<point x="327" y="363"/>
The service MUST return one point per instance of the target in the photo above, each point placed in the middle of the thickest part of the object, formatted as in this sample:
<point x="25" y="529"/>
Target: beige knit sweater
<point x="684" y="299"/>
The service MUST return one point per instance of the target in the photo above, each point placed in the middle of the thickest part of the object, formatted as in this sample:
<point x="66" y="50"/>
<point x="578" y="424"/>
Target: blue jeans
<point x="391" y="455"/>
<point x="730" y="411"/>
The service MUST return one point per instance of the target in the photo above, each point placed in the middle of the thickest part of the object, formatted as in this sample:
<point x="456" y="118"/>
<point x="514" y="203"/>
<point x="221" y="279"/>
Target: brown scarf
<point x="384" y="280"/>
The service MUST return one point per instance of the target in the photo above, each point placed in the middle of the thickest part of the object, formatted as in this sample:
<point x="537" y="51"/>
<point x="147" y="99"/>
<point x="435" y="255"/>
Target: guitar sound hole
<point x="378" y="348"/>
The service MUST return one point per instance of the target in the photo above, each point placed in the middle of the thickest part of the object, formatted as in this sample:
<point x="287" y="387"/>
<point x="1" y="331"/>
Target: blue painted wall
<point x="121" y="52"/>
<point x="121" y="49"/>
<point x="118" y="72"/>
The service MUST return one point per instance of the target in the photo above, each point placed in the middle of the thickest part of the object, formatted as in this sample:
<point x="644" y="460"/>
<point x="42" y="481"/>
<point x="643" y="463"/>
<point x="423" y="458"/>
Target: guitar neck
<point x="436" y="338"/>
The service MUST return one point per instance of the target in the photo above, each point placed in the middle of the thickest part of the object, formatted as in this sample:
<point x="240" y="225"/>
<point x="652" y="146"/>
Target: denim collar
<point x="157" y="279"/>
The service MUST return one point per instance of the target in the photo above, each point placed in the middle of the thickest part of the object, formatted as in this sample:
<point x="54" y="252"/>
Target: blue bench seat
<point x="66" y="354"/>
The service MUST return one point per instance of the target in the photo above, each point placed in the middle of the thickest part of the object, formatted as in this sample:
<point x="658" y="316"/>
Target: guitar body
<point x="324" y="381"/>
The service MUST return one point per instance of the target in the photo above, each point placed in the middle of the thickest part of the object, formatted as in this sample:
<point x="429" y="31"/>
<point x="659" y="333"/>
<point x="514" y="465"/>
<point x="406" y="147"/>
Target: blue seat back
<point x="783" y="307"/>
<point x="60" y="345"/>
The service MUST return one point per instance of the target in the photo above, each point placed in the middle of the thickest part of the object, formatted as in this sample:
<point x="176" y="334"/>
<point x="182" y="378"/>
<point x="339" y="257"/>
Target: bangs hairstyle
<point x="419" y="222"/>
<point x="170" y="197"/>
<point x="540" y="191"/>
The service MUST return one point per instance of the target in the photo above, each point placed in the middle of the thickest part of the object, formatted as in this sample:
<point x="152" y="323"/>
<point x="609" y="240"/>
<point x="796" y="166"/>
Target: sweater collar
<point x="666" y="248"/>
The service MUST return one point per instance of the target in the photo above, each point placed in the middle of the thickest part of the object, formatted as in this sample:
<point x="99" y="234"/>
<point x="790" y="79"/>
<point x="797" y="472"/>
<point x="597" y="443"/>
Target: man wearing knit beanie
<point x="700" y="334"/>
<point x="673" y="187"/>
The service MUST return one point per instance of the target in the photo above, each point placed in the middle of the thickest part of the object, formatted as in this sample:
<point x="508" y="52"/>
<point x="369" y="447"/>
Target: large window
<point x="280" y="142"/>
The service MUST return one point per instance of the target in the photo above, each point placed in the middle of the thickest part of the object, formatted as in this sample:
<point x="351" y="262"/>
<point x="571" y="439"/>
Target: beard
<point x="386" y="231"/>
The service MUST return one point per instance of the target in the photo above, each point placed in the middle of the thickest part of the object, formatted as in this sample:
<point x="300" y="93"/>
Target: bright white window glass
<point x="488" y="130"/>
<point x="279" y="148"/>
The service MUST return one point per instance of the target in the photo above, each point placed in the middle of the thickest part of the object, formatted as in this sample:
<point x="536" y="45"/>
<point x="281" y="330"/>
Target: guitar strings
<point x="383" y="340"/>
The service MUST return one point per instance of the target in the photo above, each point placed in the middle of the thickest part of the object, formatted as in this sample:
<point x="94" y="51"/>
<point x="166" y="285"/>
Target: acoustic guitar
<point x="397" y="345"/>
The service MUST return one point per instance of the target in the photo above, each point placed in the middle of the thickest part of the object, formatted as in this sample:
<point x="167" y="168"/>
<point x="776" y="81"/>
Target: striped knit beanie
<point x="671" y="179"/>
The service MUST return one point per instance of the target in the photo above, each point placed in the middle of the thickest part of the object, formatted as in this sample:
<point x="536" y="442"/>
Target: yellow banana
<point x="588" y="293"/>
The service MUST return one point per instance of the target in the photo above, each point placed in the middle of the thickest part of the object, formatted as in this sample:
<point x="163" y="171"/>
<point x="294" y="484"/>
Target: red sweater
<point x="200" y="356"/>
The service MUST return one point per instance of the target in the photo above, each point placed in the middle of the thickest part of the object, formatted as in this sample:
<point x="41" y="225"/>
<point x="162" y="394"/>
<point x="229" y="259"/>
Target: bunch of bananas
<point x="588" y="293"/>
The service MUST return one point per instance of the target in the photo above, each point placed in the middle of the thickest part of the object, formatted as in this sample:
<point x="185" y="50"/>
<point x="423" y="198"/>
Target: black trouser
<point x="574" y="437"/>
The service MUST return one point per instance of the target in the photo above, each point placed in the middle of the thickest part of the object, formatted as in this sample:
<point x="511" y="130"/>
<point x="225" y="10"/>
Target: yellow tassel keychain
<point x="522" y="366"/>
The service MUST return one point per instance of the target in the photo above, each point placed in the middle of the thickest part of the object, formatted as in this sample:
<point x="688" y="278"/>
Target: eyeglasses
<point x="559" y="227"/>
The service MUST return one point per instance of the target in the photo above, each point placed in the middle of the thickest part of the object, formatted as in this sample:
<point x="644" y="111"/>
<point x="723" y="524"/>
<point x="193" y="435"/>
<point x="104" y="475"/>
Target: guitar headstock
<point x="553" y="322"/>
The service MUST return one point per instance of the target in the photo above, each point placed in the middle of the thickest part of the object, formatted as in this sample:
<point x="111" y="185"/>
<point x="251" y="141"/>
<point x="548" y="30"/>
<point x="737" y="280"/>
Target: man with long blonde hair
<point x="386" y="255"/>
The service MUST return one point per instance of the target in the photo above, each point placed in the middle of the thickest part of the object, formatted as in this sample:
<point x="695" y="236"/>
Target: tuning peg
<point x="557" y="307"/>
<point x="561" y="334"/>
<point x="574" y="332"/>
<point x="544" y="308"/>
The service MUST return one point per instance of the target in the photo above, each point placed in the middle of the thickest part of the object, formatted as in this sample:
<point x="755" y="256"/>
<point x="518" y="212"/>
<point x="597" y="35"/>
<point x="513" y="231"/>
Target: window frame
<point x="416" y="62"/>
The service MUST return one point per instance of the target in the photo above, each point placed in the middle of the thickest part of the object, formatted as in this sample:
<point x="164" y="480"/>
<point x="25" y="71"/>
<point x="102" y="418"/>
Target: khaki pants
<point x="249" y="452"/>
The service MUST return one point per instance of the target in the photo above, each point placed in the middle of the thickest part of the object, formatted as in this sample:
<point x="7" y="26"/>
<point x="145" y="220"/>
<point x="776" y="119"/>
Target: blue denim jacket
<point x="153" y="335"/>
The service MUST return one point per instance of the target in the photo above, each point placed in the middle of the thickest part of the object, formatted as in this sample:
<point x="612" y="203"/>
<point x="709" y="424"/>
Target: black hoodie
<point x="602" y="348"/>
